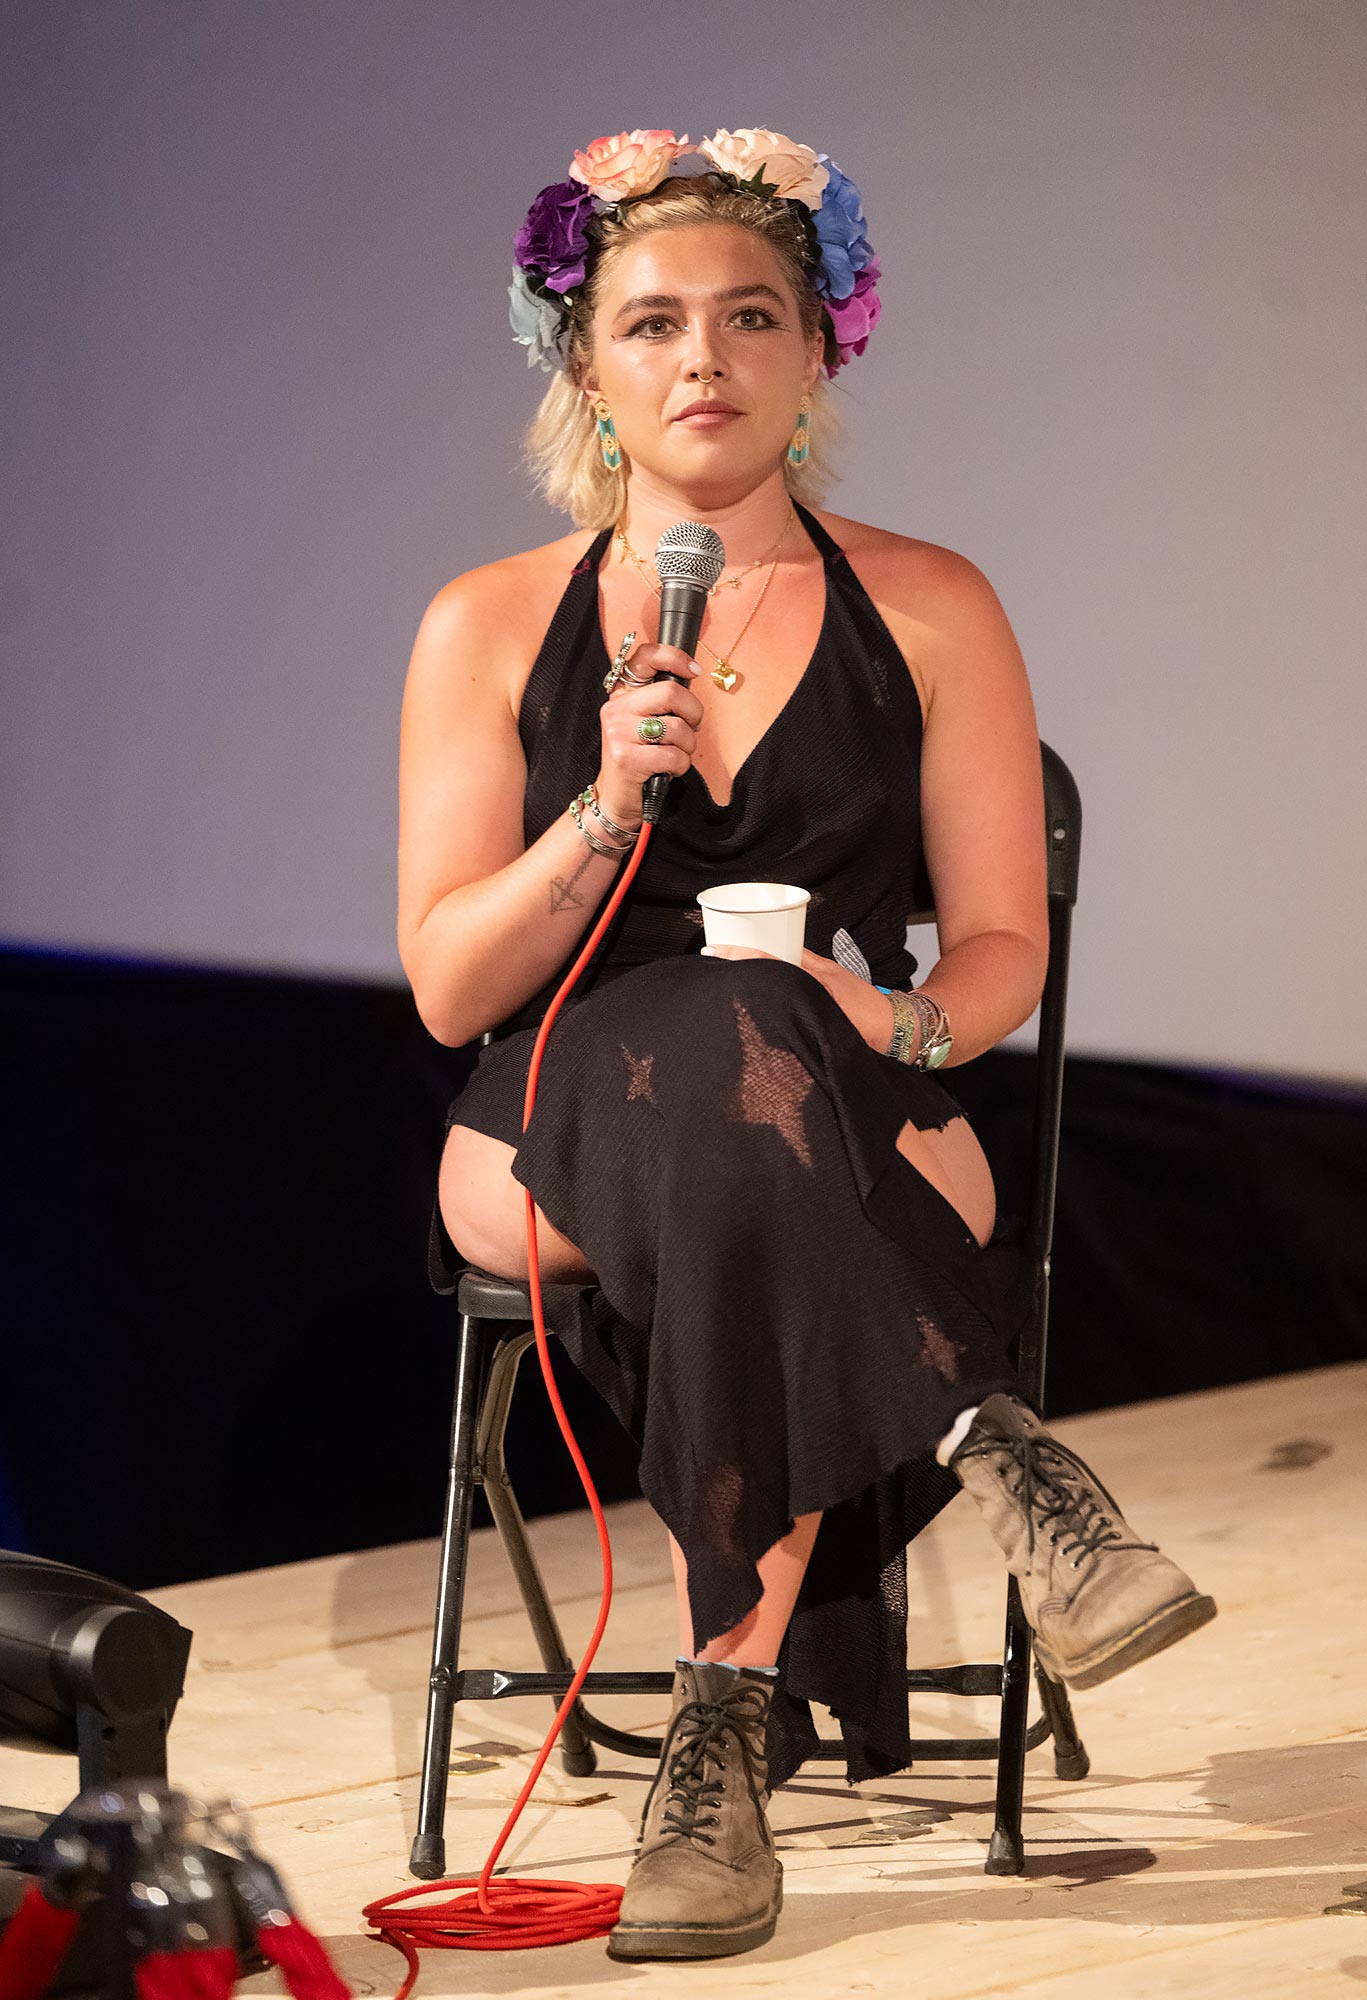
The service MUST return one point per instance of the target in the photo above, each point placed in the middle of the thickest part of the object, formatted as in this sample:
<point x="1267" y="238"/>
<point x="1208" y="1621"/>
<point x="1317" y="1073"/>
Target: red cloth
<point x="34" y="1945"/>
<point x="187" y="1975"/>
<point x="309" y="1972"/>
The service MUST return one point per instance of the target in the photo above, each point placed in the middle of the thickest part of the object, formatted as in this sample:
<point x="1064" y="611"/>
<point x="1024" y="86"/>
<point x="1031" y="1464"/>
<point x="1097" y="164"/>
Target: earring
<point x="800" y="443"/>
<point x="607" y="436"/>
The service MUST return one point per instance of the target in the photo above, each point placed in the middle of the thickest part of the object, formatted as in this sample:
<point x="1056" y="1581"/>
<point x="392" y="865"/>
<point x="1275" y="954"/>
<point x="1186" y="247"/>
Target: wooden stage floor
<point x="1219" y="1847"/>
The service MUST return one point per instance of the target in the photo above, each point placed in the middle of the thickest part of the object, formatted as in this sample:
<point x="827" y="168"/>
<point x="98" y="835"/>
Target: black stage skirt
<point x="787" y="1315"/>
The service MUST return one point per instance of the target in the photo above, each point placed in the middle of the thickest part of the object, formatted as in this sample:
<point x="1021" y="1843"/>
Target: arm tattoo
<point x="564" y="895"/>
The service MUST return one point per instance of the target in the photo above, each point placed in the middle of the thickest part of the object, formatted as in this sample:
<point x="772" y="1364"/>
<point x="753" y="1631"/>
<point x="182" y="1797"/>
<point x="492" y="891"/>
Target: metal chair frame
<point x="495" y="1333"/>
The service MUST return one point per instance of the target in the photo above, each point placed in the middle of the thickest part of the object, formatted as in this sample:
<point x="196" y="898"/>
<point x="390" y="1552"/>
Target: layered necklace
<point x="724" y="674"/>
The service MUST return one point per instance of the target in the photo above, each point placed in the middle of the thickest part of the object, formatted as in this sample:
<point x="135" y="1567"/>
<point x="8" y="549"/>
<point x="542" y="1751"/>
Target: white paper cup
<point x="765" y="916"/>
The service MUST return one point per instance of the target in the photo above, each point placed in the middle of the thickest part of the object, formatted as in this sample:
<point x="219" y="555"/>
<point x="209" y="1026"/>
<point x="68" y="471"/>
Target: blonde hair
<point x="561" y="445"/>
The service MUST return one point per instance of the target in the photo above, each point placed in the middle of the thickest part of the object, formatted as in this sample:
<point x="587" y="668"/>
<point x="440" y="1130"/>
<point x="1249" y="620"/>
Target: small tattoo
<point x="563" y="894"/>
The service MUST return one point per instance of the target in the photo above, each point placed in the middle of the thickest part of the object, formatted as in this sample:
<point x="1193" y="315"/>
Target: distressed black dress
<point x="787" y="1315"/>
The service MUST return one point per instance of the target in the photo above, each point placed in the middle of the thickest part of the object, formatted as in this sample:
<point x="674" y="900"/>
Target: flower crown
<point x="553" y="243"/>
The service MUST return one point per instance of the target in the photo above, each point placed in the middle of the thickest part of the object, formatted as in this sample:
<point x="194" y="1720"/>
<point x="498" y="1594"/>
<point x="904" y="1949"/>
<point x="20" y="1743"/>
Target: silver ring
<point x="651" y="728"/>
<point x="619" y="665"/>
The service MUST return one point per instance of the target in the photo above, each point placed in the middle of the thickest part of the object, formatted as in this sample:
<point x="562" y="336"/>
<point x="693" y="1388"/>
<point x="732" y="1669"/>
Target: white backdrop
<point x="262" y="404"/>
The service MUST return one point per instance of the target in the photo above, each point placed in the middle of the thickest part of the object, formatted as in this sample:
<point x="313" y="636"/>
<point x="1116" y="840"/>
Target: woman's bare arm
<point x="483" y="922"/>
<point x="982" y="810"/>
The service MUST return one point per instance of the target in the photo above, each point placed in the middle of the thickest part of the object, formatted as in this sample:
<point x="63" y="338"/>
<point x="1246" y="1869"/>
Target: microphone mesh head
<point x="690" y="553"/>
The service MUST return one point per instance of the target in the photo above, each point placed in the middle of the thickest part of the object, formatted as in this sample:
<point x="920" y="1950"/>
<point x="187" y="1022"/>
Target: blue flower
<point x="541" y="326"/>
<point x="840" y="228"/>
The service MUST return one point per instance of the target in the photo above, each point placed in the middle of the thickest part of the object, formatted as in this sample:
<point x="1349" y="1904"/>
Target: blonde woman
<point x="767" y="1229"/>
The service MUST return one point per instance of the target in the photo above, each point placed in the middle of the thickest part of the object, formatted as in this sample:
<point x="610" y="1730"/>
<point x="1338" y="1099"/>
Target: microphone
<point x="689" y="558"/>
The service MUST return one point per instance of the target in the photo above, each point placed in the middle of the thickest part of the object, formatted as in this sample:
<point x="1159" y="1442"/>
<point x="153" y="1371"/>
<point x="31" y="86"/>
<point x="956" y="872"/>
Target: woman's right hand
<point x="627" y="761"/>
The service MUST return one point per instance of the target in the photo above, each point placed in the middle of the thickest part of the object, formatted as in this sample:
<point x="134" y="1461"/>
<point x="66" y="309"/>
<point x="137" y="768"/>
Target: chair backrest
<point x="1063" y="845"/>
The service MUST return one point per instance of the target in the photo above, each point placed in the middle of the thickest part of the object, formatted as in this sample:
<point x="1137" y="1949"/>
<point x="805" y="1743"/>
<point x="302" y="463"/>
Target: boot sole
<point x="1173" y="1622"/>
<point x="633" y="1941"/>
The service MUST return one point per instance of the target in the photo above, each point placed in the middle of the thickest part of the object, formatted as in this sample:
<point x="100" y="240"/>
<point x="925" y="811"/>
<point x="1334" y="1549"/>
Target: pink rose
<point x="632" y="163"/>
<point x="793" y="171"/>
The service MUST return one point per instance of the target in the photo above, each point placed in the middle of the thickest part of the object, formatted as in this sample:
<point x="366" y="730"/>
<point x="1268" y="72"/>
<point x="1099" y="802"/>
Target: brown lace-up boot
<point x="1098" y="1599"/>
<point x="706" y="1880"/>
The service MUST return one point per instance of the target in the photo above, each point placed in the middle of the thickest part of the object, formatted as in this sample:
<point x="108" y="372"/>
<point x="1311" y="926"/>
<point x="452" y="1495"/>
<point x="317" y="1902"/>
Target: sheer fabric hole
<point x="774" y="1085"/>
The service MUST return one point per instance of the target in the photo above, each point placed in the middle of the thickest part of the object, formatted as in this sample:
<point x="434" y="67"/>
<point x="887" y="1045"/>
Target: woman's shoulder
<point x="480" y="634"/>
<point x="511" y="589"/>
<point x="909" y="569"/>
<point x="936" y="602"/>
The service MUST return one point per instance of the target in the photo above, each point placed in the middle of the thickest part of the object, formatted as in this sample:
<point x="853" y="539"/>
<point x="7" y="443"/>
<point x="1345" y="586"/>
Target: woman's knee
<point x="485" y="1212"/>
<point x="772" y="993"/>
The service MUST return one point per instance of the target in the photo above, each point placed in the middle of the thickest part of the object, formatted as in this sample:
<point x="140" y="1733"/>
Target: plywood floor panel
<point x="1218" y="1848"/>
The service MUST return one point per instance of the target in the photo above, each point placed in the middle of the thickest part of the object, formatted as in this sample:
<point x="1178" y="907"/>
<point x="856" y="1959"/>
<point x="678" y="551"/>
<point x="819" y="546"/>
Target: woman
<point x="768" y="1231"/>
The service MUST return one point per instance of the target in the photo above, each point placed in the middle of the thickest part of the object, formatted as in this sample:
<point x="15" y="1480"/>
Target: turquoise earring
<point x="607" y="436"/>
<point x="800" y="444"/>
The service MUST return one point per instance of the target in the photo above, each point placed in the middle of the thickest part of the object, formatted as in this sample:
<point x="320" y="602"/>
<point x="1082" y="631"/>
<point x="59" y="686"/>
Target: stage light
<point x="86" y="1666"/>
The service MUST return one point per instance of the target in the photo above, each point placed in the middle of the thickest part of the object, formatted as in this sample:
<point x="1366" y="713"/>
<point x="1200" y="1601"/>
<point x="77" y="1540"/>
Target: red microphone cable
<point x="515" y="1914"/>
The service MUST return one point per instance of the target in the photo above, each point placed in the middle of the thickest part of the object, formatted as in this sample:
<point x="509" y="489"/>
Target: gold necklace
<point x="724" y="674"/>
<point x="730" y="582"/>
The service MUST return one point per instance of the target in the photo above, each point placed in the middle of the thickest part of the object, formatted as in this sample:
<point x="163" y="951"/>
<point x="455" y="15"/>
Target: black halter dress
<point x="787" y="1315"/>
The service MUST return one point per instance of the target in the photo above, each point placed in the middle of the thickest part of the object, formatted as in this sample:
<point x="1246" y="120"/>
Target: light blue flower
<point x="541" y="327"/>
<point x="841" y="229"/>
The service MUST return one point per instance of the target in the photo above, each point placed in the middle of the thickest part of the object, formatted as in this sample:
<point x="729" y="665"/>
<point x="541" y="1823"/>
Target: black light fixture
<point x="88" y="1667"/>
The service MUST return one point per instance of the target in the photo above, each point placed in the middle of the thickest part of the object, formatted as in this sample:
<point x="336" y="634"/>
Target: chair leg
<point x="576" y="1751"/>
<point x="1006" y="1851"/>
<point x="428" y="1857"/>
<point x="1070" y="1753"/>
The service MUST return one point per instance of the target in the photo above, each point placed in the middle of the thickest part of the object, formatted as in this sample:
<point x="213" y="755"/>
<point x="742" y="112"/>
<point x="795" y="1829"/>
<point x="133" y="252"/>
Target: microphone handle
<point x="682" y="604"/>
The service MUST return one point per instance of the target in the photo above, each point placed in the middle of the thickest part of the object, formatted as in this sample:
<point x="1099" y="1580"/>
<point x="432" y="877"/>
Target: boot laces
<point x="700" y="1730"/>
<point x="1054" y="1486"/>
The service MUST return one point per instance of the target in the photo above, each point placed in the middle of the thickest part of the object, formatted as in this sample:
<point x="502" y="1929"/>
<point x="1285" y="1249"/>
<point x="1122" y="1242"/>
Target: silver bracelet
<point x="627" y="834"/>
<point x="599" y="846"/>
<point x="920" y="1030"/>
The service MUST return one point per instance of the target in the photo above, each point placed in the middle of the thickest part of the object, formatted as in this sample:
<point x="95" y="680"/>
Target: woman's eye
<point x="756" y="316"/>
<point x="651" y="327"/>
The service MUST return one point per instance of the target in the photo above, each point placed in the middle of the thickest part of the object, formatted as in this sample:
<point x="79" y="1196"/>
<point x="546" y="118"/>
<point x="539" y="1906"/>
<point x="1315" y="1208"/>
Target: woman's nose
<point x="704" y="363"/>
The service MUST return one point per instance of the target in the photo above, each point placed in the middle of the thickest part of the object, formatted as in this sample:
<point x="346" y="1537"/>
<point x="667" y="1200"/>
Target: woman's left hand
<point x="865" y="1006"/>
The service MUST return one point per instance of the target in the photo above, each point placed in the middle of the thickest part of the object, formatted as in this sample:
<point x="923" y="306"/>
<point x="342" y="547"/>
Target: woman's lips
<point x="706" y="420"/>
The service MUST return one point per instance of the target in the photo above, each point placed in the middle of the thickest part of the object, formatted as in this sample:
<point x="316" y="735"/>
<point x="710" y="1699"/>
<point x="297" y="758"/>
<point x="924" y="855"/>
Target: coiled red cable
<point x="514" y="1914"/>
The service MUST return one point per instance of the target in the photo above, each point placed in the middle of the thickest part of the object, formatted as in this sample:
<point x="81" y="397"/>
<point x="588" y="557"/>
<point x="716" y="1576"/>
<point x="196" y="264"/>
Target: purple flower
<point x="551" y="242"/>
<point x="855" y="318"/>
<point x="842" y="230"/>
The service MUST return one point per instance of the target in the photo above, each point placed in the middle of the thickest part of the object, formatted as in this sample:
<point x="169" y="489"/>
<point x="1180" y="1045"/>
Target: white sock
<point x="955" y="1436"/>
<point x="685" y="1661"/>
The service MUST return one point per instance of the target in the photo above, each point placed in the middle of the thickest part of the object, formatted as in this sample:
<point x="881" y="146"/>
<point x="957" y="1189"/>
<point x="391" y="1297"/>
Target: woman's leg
<point x="756" y="1640"/>
<point x="485" y="1212"/>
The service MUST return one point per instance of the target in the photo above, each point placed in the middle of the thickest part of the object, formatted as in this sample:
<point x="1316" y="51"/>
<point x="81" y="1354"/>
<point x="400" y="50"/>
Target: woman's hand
<point x="627" y="761"/>
<point x="870" y="1010"/>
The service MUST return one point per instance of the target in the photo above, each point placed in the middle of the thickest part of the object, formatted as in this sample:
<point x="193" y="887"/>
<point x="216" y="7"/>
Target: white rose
<point x="793" y="171"/>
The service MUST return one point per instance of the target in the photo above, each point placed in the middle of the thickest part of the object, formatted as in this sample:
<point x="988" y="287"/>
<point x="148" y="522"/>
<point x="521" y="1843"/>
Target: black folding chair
<point x="496" y="1331"/>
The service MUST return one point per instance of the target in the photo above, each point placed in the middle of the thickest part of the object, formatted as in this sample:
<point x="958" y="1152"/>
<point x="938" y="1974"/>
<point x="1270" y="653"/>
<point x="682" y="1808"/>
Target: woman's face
<point x="702" y="313"/>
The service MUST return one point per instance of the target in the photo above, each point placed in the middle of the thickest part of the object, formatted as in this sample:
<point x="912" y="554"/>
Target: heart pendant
<point x="724" y="677"/>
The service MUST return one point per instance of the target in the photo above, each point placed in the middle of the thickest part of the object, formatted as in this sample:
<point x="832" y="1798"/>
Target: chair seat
<point x="484" y="1296"/>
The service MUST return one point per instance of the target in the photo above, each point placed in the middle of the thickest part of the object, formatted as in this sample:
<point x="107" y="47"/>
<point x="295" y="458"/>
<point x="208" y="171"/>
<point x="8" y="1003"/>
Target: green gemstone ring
<point x="651" y="728"/>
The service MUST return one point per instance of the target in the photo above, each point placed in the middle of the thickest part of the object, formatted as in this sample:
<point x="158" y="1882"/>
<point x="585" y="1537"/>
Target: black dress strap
<point x="593" y="555"/>
<point x="826" y="544"/>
